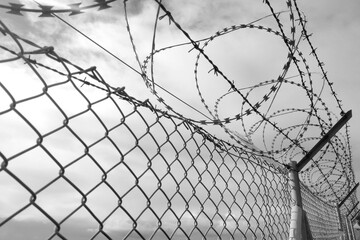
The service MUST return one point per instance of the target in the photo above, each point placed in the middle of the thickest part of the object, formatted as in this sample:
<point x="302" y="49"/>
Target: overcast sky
<point x="250" y="57"/>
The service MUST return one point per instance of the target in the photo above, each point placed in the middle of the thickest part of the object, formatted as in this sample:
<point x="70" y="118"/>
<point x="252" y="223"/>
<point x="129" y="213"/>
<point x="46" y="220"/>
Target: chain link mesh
<point x="131" y="172"/>
<point x="323" y="218"/>
<point x="349" y="210"/>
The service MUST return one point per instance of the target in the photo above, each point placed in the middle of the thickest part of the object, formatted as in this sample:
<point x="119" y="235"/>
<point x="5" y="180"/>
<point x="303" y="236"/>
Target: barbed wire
<point x="49" y="10"/>
<point x="207" y="167"/>
<point x="313" y="98"/>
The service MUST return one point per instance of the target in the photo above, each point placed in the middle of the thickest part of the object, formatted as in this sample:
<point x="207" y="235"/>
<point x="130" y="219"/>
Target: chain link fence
<point x="108" y="166"/>
<point x="81" y="159"/>
<point x="323" y="218"/>
<point x="349" y="211"/>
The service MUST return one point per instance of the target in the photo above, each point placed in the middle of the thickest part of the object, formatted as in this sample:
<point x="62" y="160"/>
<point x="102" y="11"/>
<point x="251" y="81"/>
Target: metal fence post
<point x="299" y="225"/>
<point x="339" y="217"/>
<point x="350" y="229"/>
<point x="296" y="204"/>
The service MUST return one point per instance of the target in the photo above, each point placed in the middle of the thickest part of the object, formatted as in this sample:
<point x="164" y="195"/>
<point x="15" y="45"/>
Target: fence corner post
<point x="340" y="218"/>
<point x="296" y="204"/>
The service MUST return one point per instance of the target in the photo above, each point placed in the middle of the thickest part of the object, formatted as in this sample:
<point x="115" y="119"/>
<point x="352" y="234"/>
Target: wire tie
<point x="85" y="82"/>
<point x="166" y="14"/>
<point x="196" y="45"/>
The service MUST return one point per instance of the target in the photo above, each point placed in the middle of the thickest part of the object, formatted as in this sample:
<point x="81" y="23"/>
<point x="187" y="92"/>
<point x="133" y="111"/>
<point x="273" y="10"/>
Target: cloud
<point x="35" y="229"/>
<point x="205" y="15"/>
<point x="330" y="15"/>
<point x="135" y="7"/>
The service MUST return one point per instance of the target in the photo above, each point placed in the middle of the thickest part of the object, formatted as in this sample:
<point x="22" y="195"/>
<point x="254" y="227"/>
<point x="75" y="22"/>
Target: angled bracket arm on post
<point x="298" y="223"/>
<point x="356" y="214"/>
<point x="348" y="195"/>
<point x="352" y="209"/>
<point x="324" y="140"/>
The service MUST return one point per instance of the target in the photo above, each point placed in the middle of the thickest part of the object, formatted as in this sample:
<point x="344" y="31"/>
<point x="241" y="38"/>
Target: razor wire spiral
<point x="329" y="176"/>
<point x="313" y="116"/>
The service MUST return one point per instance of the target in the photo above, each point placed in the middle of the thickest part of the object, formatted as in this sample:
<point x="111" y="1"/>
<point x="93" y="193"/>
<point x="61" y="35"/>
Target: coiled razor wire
<point x="208" y="187"/>
<point x="333" y="190"/>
